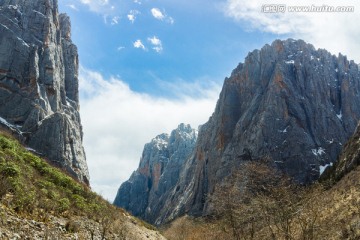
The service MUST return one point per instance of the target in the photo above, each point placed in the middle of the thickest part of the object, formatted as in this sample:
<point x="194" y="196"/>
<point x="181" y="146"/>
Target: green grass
<point x="33" y="187"/>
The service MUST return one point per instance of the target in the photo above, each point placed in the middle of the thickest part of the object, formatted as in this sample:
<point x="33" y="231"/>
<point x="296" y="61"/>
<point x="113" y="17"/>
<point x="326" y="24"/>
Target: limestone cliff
<point x="289" y="103"/>
<point x="145" y="193"/>
<point x="39" y="82"/>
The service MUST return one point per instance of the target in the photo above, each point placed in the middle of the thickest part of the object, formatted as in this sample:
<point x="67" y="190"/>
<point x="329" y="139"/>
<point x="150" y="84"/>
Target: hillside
<point x="314" y="212"/>
<point x="39" y="201"/>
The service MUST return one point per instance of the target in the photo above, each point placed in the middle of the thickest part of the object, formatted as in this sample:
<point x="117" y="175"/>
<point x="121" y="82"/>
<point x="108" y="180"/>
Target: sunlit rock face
<point x="289" y="103"/>
<point x="39" y="82"/>
<point x="145" y="193"/>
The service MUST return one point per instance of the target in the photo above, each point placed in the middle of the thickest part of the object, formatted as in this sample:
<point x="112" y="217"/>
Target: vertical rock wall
<point x="39" y="82"/>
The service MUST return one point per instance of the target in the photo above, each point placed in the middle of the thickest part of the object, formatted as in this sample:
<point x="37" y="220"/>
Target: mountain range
<point x="289" y="103"/>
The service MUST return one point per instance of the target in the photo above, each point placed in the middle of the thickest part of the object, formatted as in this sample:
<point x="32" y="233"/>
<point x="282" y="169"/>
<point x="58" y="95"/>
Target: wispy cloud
<point x="162" y="16"/>
<point x="73" y="7"/>
<point x="137" y="1"/>
<point x="156" y="42"/>
<point x="115" y="20"/>
<point x="105" y="8"/>
<point x="120" y="48"/>
<point x="99" y="6"/>
<point x="132" y="15"/>
<point x="114" y="142"/>
<point x="324" y="29"/>
<point x="139" y="44"/>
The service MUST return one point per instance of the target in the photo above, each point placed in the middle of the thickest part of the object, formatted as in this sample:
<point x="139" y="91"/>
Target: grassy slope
<point x="32" y="189"/>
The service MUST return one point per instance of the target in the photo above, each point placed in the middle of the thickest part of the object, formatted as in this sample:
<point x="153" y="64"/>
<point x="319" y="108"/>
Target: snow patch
<point x="290" y="62"/>
<point x="3" y="121"/>
<point x="322" y="168"/>
<point x="284" y="131"/>
<point x="23" y="42"/>
<point x="39" y="13"/>
<point x="318" y="152"/>
<point x="336" y="70"/>
<point x="15" y="7"/>
<point x="9" y="125"/>
<point x="4" y="26"/>
<point x="339" y="116"/>
<point x="160" y="143"/>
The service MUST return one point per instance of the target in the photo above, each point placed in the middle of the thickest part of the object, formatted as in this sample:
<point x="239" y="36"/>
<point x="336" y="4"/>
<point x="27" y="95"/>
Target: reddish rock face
<point x="287" y="102"/>
<point x="145" y="193"/>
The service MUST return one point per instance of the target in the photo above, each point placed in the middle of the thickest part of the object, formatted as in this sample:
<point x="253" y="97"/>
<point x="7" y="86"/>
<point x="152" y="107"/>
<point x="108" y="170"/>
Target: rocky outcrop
<point x="348" y="160"/>
<point x="39" y="82"/>
<point x="145" y="193"/>
<point x="289" y="103"/>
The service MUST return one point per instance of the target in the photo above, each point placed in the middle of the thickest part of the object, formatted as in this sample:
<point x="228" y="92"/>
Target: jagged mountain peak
<point x="289" y="103"/>
<point x="158" y="172"/>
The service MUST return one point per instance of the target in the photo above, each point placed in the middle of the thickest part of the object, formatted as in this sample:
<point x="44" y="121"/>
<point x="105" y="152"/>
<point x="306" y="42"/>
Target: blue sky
<point x="148" y="65"/>
<point x="196" y="41"/>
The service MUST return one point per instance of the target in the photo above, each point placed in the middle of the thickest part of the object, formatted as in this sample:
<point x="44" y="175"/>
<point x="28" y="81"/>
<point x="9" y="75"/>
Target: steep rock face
<point x="289" y="103"/>
<point x="144" y="194"/>
<point x="348" y="160"/>
<point x="39" y="82"/>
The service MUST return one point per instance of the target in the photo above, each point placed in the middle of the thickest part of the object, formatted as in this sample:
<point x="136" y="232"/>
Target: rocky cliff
<point x="289" y="103"/>
<point x="145" y="193"/>
<point x="348" y="160"/>
<point x="39" y="82"/>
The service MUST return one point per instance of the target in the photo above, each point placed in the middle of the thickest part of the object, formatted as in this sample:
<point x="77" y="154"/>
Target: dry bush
<point x="259" y="202"/>
<point x="194" y="229"/>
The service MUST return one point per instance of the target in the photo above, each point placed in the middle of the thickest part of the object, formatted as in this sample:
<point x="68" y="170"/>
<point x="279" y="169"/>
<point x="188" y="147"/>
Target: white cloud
<point x="137" y="1"/>
<point x="170" y="20"/>
<point x="99" y="6"/>
<point x="158" y="14"/>
<point x="332" y="31"/>
<point x="103" y="8"/>
<point x="120" y="48"/>
<point x="72" y="6"/>
<point x="115" y="20"/>
<point x="139" y="44"/>
<point x="132" y="15"/>
<point x="156" y="42"/>
<point x="118" y="122"/>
